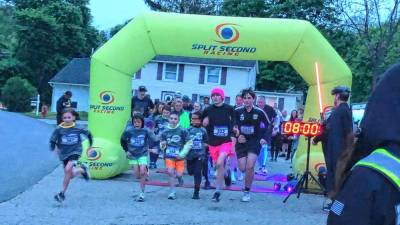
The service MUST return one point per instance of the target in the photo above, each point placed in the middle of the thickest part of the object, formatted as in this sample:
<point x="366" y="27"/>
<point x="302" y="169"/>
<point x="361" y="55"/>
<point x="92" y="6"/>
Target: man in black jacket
<point x="370" y="194"/>
<point x="62" y="103"/>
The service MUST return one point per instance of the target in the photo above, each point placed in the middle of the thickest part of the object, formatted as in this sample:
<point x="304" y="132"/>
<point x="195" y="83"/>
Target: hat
<point x="339" y="90"/>
<point x="218" y="91"/>
<point x="186" y="98"/>
<point x="142" y="88"/>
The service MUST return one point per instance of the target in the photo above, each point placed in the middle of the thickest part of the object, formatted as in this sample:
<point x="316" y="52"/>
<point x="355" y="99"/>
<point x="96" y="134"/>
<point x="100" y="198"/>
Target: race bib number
<point x="172" y="152"/>
<point x="197" y="145"/>
<point x="221" y="131"/>
<point x="137" y="141"/>
<point x="70" y="139"/>
<point x="247" y="130"/>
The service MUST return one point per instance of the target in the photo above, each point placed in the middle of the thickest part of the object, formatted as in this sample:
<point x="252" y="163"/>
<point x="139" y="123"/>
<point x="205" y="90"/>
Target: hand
<point x="263" y="142"/>
<point x="163" y="145"/>
<point x="205" y="122"/>
<point x="236" y="131"/>
<point x="314" y="142"/>
<point x="241" y="139"/>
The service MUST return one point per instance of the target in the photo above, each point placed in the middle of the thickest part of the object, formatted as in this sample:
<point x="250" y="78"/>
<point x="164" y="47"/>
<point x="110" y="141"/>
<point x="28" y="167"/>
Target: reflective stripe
<point x="385" y="163"/>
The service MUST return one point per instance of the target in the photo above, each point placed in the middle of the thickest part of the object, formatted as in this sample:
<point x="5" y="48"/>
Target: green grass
<point x="53" y="115"/>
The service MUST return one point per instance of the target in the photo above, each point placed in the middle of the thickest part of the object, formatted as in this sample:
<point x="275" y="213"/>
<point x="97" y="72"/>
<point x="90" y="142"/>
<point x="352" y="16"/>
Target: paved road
<point x="24" y="153"/>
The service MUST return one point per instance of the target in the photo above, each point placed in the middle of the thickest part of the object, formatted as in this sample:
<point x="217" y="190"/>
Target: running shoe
<point x="60" y="197"/>
<point x="196" y="195"/>
<point x="246" y="196"/>
<point x="140" y="198"/>
<point x="172" y="196"/>
<point x="216" y="196"/>
<point x="85" y="173"/>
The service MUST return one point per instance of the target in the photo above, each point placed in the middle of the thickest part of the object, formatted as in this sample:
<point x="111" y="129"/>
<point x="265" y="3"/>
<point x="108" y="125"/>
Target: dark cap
<point x="142" y="88"/>
<point x="339" y="90"/>
<point x="186" y="98"/>
<point x="69" y="93"/>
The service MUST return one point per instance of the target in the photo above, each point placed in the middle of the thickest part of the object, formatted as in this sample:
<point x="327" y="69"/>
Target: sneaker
<point x="196" y="195"/>
<point x="207" y="185"/>
<point x="180" y="181"/>
<point x="140" y="198"/>
<point x="327" y="207"/>
<point x="172" y="196"/>
<point x="246" y="196"/>
<point x="85" y="173"/>
<point x="216" y="196"/>
<point x="60" y="197"/>
<point x="264" y="170"/>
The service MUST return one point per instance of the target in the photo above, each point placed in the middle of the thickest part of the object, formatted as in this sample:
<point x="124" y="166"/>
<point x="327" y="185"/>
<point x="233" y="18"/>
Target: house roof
<point x="75" y="72"/>
<point x="205" y="61"/>
<point x="78" y="69"/>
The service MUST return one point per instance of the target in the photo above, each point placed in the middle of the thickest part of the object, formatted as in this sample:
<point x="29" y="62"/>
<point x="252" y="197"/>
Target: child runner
<point x="161" y="124"/>
<point x="218" y="120"/>
<point x="196" y="155"/>
<point x="172" y="142"/>
<point x="135" y="141"/>
<point x="67" y="138"/>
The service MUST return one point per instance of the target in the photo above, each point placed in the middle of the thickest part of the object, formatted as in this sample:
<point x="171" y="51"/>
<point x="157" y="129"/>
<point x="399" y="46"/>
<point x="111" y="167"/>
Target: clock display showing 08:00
<point x="301" y="128"/>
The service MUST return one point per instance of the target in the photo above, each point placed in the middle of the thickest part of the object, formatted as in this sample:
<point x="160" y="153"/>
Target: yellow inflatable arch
<point x="113" y="65"/>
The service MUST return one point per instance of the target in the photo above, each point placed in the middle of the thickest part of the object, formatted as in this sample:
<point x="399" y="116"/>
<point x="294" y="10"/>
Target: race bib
<point x="172" y="152"/>
<point x="70" y="139"/>
<point x="197" y="145"/>
<point x="137" y="141"/>
<point x="247" y="130"/>
<point x="221" y="131"/>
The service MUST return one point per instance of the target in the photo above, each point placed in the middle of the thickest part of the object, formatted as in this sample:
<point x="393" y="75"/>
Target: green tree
<point x="50" y="33"/>
<point x="204" y="7"/>
<point x="16" y="94"/>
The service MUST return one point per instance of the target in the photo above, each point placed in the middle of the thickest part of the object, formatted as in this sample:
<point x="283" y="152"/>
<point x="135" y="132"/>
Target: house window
<point x="213" y="74"/>
<point x="170" y="72"/>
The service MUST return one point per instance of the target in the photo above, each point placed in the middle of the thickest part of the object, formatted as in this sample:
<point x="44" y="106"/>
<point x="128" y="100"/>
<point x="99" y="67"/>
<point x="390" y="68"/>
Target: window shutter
<point x="138" y="74"/>
<point x="159" y="71"/>
<point x="223" y="75"/>
<point x="202" y="74"/>
<point x="180" y="72"/>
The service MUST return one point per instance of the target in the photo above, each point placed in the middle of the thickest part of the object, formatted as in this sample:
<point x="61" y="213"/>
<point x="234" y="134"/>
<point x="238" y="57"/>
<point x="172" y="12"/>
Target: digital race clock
<point x="301" y="128"/>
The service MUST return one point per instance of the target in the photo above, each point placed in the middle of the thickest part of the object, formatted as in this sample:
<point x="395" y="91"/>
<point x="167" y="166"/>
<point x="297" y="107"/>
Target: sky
<point x="107" y="14"/>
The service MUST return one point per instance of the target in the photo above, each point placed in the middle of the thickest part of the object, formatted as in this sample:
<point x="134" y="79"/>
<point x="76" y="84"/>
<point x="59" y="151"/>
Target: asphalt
<point x="24" y="153"/>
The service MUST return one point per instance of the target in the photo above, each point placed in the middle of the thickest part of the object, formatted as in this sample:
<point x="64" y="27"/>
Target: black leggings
<point x="153" y="157"/>
<point x="194" y="168"/>
<point x="276" y="145"/>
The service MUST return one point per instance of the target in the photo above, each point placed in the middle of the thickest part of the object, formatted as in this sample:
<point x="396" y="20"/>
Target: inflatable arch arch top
<point x="151" y="34"/>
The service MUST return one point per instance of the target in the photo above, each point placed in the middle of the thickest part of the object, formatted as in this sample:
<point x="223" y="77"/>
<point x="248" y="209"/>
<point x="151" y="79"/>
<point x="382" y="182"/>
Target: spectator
<point x="63" y="103"/>
<point x="142" y="103"/>
<point x="184" y="120"/>
<point x="196" y="107"/>
<point x="206" y="102"/>
<point x="186" y="103"/>
<point x="238" y="101"/>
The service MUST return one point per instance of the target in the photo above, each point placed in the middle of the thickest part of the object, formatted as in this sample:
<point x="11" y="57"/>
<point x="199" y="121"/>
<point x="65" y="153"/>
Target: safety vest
<point x="383" y="162"/>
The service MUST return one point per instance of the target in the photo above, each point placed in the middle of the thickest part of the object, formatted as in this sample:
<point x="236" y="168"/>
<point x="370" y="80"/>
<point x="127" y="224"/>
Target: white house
<point x="284" y="101"/>
<point x="163" y="76"/>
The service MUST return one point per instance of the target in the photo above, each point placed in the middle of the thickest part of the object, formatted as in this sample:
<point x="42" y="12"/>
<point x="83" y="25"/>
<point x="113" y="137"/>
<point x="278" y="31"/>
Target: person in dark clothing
<point x="197" y="153"/>
<point x="218" y="119"/>
<point x="250" y="137"/>
<point x="142" y="103"/>
<point x="67" y="139"/>
<point x="64" y="102"/>
<point x="339" y="126"/>
<point x="186" y="104"/>
<point x="367" y="186"/>
<point x="272" y="141"/>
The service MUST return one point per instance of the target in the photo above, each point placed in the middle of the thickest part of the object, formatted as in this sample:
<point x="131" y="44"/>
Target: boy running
<point x="172" y="142"/>
<point x="197" y="153"/>
<point x="135" y="142"/>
